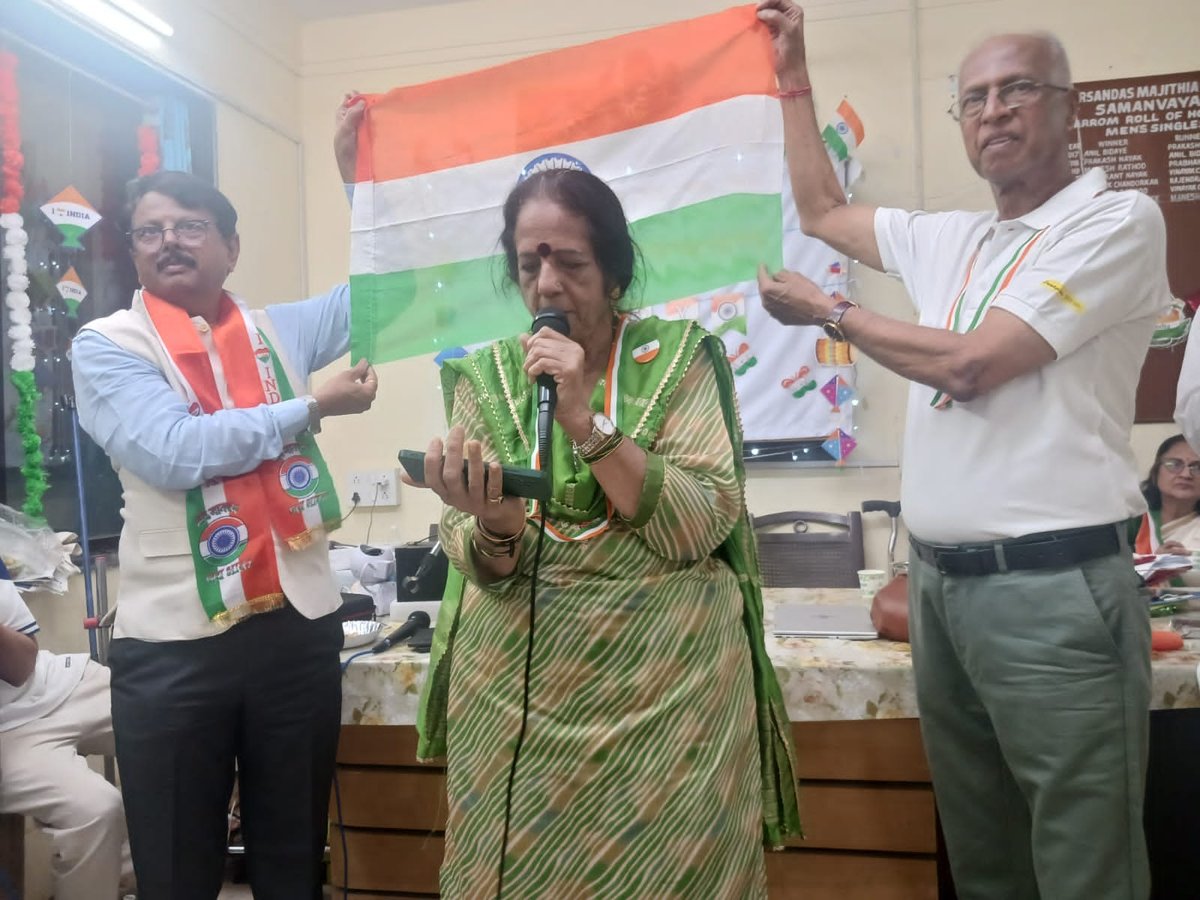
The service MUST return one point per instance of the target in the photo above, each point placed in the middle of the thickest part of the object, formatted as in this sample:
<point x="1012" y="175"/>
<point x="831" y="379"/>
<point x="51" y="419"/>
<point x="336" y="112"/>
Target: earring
<point x="614" y="294"/>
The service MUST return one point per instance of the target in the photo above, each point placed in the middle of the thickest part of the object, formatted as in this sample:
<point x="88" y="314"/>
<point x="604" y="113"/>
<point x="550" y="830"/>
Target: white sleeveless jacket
<point x="157" y="599"/>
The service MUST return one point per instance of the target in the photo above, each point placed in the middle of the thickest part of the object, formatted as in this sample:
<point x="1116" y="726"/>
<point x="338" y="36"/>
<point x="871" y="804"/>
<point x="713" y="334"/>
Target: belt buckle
<point x="939" y="563"/>
<point x="970" y="562"/>
<point x="942" y="556"/>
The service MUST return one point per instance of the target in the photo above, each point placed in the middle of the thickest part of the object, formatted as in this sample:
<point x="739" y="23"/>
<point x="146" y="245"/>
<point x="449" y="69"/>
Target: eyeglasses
<point x="1175" y="466"/>
<point x="1013" y="95"/>
<point x="189" y="233"/>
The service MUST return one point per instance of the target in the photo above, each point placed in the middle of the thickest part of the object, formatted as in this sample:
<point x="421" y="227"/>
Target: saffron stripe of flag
<point x="680" y="120"/>
<point x="845" y="132"/>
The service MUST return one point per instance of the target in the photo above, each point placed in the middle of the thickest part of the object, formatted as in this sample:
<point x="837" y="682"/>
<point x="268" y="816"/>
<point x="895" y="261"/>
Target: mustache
<point x="175" y="257"/>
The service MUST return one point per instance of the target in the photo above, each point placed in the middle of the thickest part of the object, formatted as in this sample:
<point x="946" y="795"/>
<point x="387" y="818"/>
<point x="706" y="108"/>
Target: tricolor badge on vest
<point x="646" y="352"/>
<point x="298" y="476"/>
<point x="223" y="540"/>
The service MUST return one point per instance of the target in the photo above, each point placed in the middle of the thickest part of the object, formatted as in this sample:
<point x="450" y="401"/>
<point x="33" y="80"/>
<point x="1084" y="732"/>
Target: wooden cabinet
<point x="866" y="804"/>
<point x="868" y="813"/>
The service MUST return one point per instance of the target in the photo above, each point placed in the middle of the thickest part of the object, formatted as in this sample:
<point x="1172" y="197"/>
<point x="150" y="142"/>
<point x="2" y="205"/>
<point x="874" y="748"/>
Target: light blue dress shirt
<point x="129" y="409"/>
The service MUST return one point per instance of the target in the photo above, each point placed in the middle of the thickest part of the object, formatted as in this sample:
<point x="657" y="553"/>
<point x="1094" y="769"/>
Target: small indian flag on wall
<point x="680" y="120"/>
<point x="844" y="133"/>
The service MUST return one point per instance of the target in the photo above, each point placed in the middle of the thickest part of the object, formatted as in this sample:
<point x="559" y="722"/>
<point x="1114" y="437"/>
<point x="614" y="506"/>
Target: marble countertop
<point x="822" y="679"/>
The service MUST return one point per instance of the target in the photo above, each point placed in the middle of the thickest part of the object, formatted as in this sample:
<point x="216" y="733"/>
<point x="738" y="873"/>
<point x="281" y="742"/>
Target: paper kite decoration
<point x="837" y="392"/>
<point x="71" y="289"/>
<point x="73" y="215"/>
<point x="839" y="445"/>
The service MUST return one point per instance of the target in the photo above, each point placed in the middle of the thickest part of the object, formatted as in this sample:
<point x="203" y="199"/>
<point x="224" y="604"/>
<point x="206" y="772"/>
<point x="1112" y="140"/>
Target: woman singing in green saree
<point x="655" y="760"/>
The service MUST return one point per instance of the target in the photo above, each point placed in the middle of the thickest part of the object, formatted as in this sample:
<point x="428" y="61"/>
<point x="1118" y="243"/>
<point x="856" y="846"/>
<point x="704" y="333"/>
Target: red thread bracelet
<point x="798" y="92"/>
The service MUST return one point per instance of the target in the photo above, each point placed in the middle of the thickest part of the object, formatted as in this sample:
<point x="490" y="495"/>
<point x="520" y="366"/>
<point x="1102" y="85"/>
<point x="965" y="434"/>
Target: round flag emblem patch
<point x="223" y="540"/>
<point x="298" y="476"/>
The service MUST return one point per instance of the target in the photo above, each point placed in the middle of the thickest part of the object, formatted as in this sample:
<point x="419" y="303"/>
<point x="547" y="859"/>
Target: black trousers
<point x="266" y="694"/>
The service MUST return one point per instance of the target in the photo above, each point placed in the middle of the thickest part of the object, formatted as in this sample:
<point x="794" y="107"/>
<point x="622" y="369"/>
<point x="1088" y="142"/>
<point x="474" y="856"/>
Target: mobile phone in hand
<point x="515" y="482"/>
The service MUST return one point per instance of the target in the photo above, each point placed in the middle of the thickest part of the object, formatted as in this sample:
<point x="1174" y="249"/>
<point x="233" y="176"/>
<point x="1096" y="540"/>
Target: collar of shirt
<point x="1069" y="200"/>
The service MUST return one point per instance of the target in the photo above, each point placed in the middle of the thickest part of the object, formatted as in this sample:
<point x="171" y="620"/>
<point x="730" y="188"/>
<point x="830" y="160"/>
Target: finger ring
<point x="499" y="499"/>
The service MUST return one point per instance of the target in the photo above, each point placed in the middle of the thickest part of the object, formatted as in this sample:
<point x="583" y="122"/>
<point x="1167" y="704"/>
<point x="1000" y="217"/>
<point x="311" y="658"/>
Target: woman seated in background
<point x="1172" y="491"/>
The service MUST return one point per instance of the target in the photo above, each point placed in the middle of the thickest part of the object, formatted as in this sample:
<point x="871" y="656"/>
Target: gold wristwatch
<point x="603" y="440"/>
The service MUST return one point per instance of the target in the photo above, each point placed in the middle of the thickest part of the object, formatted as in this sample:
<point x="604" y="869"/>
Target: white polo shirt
<point x="1050" y="449"/>
<point x="54" y="676"/>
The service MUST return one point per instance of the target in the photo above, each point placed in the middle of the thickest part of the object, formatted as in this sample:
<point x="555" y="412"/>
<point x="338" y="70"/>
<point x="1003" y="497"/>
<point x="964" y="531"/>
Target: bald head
<point x="1041" y="48"/>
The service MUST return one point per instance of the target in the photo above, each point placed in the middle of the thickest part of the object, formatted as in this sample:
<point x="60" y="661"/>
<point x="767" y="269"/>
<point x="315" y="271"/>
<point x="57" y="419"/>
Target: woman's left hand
<point x="1173" y="547"/>
<point x="548" y="352"/>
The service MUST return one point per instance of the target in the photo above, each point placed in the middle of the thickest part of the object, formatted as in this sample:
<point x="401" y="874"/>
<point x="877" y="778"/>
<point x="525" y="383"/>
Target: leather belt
<point x="1046" y="550"/>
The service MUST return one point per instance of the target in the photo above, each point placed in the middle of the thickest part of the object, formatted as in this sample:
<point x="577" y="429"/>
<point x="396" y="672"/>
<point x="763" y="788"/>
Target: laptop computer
<point x="813" y="620"/>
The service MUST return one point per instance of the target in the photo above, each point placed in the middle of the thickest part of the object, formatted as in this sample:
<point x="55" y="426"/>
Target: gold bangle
<point x="509" y="550"/>
<point x="611" y="444"/>
<point x="605" y="451"/>
<point x="501" y="547"/>
<point x="494" y="538"/>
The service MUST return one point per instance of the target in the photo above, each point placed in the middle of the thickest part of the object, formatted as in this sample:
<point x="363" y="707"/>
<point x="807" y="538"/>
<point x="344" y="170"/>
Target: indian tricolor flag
<point x="844" y="134"/>
<point x="680" y="120"/>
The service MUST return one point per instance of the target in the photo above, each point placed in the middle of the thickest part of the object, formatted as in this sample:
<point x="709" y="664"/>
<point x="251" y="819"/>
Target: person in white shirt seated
<point x="54" y="710"/>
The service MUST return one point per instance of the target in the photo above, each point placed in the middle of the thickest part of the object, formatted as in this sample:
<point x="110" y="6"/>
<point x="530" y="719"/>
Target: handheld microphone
<point x="412" y="583"/>
<point x="547" y="390"/>
<point x="414" y="623"/>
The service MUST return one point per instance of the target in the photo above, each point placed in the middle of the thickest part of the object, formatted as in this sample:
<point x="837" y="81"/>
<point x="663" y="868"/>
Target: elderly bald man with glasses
<point x="1030" y="644"/>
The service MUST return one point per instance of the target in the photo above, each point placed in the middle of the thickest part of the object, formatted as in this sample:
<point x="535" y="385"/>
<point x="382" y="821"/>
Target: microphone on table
<point x="547" y="390"/>
<point x="415" y="622"/>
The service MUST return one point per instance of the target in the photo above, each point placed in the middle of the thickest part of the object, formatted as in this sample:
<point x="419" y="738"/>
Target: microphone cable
<point x="512" y="769"/>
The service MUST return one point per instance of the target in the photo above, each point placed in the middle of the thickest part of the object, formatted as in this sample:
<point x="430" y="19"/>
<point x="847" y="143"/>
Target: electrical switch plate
<point x="375" y="487"/>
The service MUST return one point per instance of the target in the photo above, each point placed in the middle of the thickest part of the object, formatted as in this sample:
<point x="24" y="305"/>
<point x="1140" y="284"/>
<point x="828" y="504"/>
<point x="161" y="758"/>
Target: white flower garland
<point x="16" y="297"/>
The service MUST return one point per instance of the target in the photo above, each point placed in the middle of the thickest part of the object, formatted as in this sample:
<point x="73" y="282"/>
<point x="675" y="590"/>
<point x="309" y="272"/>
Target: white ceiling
<point x="327" y="9"/>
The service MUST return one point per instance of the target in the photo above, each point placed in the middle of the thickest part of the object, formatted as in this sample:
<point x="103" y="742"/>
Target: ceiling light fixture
<point x="120" y="22"/>
<point x="143" y="15"/>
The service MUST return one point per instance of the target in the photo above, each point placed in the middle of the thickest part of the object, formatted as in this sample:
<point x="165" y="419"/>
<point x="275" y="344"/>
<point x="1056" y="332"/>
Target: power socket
<point x="375" y="487"/>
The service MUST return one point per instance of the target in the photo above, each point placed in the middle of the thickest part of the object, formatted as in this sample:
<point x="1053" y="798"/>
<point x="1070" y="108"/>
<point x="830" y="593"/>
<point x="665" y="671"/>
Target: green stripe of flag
<point x="197" y="519"/>
<point x="835" y="143"/>
<point x="687" y="251"/>
<point x="330" y="507"/>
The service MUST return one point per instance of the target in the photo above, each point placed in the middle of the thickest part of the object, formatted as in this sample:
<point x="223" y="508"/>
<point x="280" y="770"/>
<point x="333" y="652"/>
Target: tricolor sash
<point x="233" y="521"/>
<point x="618" y="378"/>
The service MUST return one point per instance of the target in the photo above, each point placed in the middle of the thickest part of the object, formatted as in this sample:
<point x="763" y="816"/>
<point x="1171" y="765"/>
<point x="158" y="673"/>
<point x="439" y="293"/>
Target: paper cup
<point x="870" y="581"/>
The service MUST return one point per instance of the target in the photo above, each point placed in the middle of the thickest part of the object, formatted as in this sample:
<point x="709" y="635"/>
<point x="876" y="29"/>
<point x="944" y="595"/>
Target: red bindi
<point x="544" y="250"/>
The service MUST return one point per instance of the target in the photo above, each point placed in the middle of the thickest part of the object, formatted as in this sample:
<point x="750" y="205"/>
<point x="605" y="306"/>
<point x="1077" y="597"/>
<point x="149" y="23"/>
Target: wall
<point x="275" y="83"/>
<point x="892" y="58"/>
